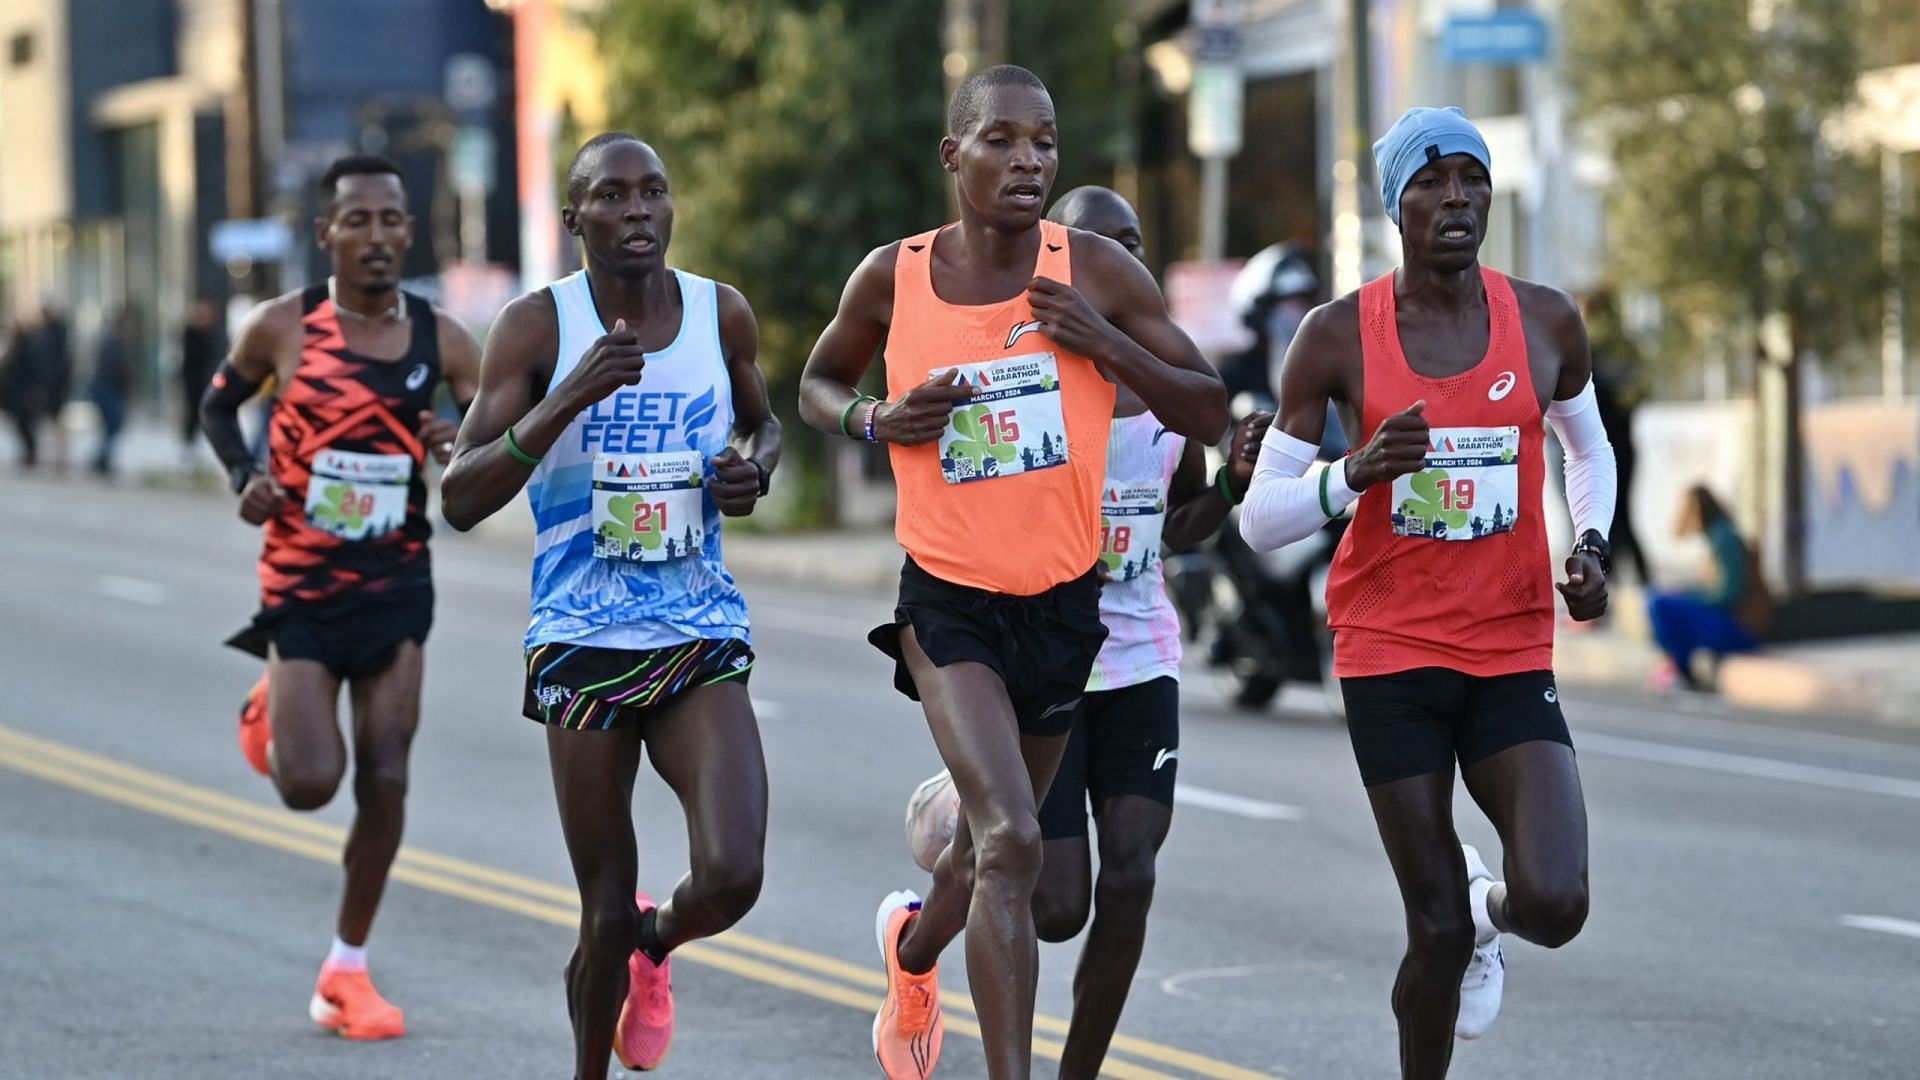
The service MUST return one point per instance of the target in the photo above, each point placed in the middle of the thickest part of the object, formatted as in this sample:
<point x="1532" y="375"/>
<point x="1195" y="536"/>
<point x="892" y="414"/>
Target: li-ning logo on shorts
<point x="1020" y="330"/>
<point x="1164" y="756"/>
<point x="549" y="696"/>
<point x="417" y="378"/>
<point x="1064" y="706"/>
<point x="1502" y="386"/>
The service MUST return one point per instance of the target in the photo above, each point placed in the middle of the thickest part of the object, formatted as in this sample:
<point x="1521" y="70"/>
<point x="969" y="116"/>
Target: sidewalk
<point x="1876" y="679"/>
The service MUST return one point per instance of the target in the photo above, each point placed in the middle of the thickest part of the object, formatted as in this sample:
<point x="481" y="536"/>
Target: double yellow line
<point x="784" y="966"/>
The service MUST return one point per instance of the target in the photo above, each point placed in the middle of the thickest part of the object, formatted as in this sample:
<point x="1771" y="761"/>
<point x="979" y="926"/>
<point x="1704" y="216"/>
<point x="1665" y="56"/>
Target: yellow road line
<point x="732" y="952"/>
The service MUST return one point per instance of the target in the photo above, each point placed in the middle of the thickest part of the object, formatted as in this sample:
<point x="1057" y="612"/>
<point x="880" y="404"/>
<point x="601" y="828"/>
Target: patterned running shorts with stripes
<point x="581" y="687"/>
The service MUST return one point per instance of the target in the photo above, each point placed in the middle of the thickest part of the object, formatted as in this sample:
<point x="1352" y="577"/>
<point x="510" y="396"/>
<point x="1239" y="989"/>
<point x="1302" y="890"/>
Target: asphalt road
<point x="1756" y="891"/>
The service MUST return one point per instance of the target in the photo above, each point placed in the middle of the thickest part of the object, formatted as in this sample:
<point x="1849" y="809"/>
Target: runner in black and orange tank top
<point x="1440" y="596"/>
<point x="345" y="590"/>
<point x="999" y="616"/>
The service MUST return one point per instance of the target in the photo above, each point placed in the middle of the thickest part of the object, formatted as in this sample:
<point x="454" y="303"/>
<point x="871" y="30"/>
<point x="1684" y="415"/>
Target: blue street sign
<point x="1506" y="37"/>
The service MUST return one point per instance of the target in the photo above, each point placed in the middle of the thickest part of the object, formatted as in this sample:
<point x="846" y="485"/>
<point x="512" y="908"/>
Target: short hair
<point x="357" y="165"/>
<point x="969" y="102"/>
<point x="580" y="169"/>
<point x="1071" y="205"/>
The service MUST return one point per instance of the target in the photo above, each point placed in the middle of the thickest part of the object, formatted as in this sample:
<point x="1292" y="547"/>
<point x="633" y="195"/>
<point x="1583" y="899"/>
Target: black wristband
<point x="1593" y="541"/>
<point x="766" y="476"/>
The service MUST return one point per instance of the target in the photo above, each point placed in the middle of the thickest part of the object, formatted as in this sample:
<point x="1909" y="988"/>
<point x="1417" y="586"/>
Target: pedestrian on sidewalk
<point x="17" y="394"/>
<point x="112" y="385"/>
<point x="1729" y="613"/>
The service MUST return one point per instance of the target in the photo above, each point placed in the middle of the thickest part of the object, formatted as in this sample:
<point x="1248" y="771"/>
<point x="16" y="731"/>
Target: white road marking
<point x="1239" y="805"/>
<point x="1176" y="985"/>
<point x="1883" y="924"/>
<point x="1747" y="765"/>
<point x="131" y="590"/>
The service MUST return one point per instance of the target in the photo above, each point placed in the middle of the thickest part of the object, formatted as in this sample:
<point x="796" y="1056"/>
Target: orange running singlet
<point x="344" y="442"/>
<point x="1448" y="567"/>
<point x="1008" y="499"/>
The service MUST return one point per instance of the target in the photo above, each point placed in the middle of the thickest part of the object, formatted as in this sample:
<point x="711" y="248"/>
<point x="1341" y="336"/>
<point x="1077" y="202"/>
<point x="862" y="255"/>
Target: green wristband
<point x="848" y="411"/>
<point x="519" y="455"/>
<point x="1226" y="489"/>
<point x="1326" y="504"/>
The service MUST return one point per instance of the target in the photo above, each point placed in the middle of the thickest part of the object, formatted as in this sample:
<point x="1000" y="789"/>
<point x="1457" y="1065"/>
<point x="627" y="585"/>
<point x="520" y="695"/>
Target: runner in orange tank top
<point x="1003" y="339"/>
<point x="1440" y="595"/>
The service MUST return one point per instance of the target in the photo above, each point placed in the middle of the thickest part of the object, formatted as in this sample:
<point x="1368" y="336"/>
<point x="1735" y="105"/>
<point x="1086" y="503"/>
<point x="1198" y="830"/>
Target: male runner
<point x="1123" y="750"/>
<point x="626" y="399"/>
<point x="346" y="591"/>
<point x="998" y="621"/>
<point x="1439" y="596"/>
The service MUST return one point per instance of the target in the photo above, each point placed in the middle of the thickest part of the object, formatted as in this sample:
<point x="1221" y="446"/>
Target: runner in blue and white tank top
<point x="1123" y="751"/>
<point x="625" y="398"/>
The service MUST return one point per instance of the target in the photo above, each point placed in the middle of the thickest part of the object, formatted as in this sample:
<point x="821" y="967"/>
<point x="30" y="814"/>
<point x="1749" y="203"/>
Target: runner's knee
<point x="1009" y="851"/>
<point x="730" y="886"/>
<point x="381" y="771"/>
<point x="1126" y="883"/>
<point x="609" y="928"/>
<point x="304" y="786"/>
<point x="1440" y="935"/>
<point x="1547" y="914"/>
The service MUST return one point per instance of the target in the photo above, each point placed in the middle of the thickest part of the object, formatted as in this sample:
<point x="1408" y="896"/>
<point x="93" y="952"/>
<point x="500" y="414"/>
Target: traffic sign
<point x="1502" y="38"/>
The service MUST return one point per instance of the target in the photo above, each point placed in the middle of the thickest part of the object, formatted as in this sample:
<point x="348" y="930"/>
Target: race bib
<point x="1469" y="489"/>
<point x="1131" y="517"/>
<point x="358" y="496"/>
<point x="1014" y="424"/>
<point x="648" y="507"/>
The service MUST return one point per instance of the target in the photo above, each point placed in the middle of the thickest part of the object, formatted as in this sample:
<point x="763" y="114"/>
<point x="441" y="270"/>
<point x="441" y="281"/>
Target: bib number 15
<point x="1001" y="427"/>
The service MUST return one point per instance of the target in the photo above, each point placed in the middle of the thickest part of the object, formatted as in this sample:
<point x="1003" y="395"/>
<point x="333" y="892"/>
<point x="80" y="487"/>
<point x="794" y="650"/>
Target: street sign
<point x="1214" y="110"/>
<point x="471" y="160"/>
<point x="1502" y="38"/>
<point x="258" y="239"/>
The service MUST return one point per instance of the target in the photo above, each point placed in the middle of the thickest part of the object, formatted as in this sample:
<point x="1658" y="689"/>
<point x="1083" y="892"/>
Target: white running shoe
<point x="1486" y="978"/>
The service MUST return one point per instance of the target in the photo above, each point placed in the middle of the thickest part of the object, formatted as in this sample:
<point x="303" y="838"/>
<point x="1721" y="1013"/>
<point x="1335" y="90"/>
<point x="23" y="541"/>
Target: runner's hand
<point x="437" y="435"/>
<point x="1398" y="448"/>
<point x="1067" y="318"/>
<point x="1245" y="448"/>
<point x="922" y="414"/>
<point x="735" y="484"/>
<point x="261" y="499"/>
<point x="1585" y="589"/>
<point x="612" y="362"/>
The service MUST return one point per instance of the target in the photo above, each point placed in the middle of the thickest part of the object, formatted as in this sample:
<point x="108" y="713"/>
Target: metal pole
<point x="1213" y="208"/>
<point x="1893" y="316"/>
<point x="1367" y="202"/>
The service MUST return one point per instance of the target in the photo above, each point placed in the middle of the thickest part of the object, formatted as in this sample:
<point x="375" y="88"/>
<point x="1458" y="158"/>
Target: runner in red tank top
<point x="1440" y="595"/>
<point x="346" y="593"/>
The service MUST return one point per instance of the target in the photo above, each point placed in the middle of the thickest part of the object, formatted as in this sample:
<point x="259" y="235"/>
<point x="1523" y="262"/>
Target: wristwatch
<point x="1592" y="541"/>
<point x="766" y="477"/>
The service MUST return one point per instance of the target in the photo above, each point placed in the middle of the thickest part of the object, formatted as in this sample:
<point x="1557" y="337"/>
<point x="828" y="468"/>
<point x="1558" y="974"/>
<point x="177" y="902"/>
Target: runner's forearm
<point x="1192" y="522"/>
<point x="824" y="400"/>
<point x="761" y="443"/>
<point x="1188" y="402"/>
<point x="485" y="476"/>
<point x="220" y="419"/>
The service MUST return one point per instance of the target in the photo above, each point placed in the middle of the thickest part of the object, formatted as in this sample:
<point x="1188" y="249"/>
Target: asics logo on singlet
<point x="1020" y="330"/>
<point x="1502" y="386"/>
<point x="1164" y="756"/>
<point x="417" y="378"/>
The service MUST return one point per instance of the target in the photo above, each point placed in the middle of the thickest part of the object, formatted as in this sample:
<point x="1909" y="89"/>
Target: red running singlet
<point x="1448" y="567"/>
<point x="344" y="442"/>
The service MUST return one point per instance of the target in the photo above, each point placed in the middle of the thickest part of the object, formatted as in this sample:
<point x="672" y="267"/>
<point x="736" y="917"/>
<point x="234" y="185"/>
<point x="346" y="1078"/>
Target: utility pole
<point x="1215" y="109"/>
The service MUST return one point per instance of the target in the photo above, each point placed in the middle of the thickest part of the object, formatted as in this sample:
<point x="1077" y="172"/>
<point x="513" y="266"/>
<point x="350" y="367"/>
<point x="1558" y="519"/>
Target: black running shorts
<point x="354" y="636"/>
<point x="581" y="687"/>
<point x="1423" y="721"/>
<point x="1124" y="742"/>
<point x="1041" y="646"/>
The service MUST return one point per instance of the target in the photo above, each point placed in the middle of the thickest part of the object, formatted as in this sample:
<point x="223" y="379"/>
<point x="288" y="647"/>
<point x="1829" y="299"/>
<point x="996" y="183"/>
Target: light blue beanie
<point x="1417" y="138"/>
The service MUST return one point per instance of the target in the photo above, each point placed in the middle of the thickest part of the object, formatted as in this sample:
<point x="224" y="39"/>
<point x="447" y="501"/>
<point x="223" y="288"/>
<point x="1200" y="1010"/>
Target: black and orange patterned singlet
<point x="345" y="444"/>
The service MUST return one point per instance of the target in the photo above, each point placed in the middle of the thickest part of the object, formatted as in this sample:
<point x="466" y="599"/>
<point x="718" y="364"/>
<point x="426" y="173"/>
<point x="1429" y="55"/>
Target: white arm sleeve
<point x="1283" y="502"/>
<point x="1592" y="478"/>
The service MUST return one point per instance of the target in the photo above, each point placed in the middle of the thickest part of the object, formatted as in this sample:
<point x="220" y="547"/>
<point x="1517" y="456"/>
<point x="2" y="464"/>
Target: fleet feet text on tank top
<point x="1448" y="567"/>
<point x="1008" y="499"/>
<point x="627" y="544"/>
<point x="344" y="441"/>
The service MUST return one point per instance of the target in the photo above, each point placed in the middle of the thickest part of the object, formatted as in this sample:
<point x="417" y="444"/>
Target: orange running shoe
<point x="645" y="1030"/>
<point x="908" y="1031"/>
<point x="256" y="735"/>
<point x="345" y="1003"/>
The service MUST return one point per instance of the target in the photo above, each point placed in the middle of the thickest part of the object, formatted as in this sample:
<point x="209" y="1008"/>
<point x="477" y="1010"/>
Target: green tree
<point x="802" y="134"/>
<point x="1731" y="203"/>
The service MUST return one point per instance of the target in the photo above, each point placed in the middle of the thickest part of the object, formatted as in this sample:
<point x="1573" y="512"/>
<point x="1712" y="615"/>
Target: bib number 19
<point x="1456" y="494"/>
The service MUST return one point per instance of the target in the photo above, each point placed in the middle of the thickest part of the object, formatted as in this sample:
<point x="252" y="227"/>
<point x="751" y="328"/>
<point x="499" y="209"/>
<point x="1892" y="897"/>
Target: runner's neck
<point x="1422" y="288"/>
<point x="646" y="300"/>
